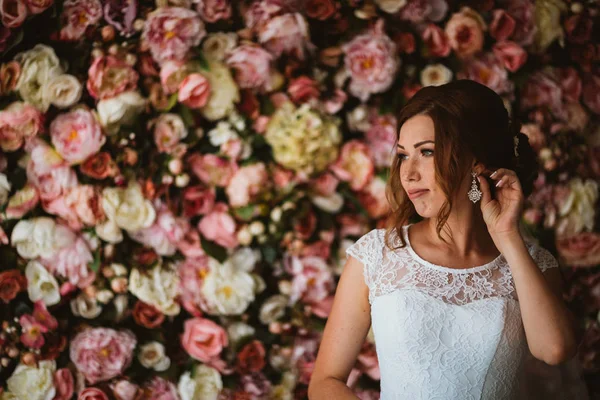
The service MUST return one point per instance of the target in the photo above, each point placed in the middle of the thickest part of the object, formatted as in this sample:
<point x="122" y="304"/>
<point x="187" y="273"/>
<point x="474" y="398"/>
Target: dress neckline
<point x="478" y="268"/>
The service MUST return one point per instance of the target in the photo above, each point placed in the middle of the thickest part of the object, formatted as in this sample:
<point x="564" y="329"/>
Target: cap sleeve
<point x="542" y="257"/>
<point x="367" y="250"/>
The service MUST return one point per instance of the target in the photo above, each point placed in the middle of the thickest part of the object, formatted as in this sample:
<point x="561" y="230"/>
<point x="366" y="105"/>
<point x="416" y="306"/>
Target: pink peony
<point x="502" y="26"/>
<point x="13" y="12"/>
<point x="260" y="12"/>
<point x="203" y="339"/>
<point x="171" y="31"/>
<point x="164" y="234"/>
<point x="125" y="390"/>
<point x="354" y="164"/>
<point x="121" y="15"/>
<point x="211" y="169"/>
<point x="213" y="10"/>
<point x="510" y="54"/>
<point x="79" y="207"/>
<point x="160" y="389"/>
<point x="465" y="32"/>
<point x="108" y="76"/>
<point x="101" y="354"/>
<point x="77" y="15"/>
<point x="19" y="122"/>
<point x="92" y="394"/>
<point x="313" y="280"/>
<point x="191" y="277"/>
<point x="371" y="61"/>
<point x="591" y="92"/>
<point x="76" y="135"/>
<point x="63" y="382"/>
<point x="219" y="226"/>
<point x="287" y="33"/>
<point x="246" y="184"/>
<point x="71" y="261"/>
<point x="436" y="40"/>
<point x="381" y="138"/>
<point x="488" y="71"/>
<point x="194" y="91"/>
<point x="169" y="129"/>
<point x="252" y="66"/>
<point x="48" y="173"/>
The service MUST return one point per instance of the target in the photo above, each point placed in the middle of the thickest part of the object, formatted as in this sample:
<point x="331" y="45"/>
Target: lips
<point x="413" y="194"/>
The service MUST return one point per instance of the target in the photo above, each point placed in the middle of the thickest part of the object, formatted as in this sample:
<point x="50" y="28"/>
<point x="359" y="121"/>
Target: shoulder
<point x="367" y="245"/>
<point x="542" y="257"/>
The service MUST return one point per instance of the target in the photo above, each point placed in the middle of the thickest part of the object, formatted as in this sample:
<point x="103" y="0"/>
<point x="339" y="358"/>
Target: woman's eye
<point x="401" y="156"/>
<point x="427" y="152"/>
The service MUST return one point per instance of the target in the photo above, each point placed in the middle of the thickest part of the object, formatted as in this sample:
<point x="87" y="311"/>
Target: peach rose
<point x="147" y="315"/>
<point x="246" y="184"/>
<point x="219" y="227"/>
<point x="99" y="166"/>
<point x="502" y="26"/>
<point x="198" y="200"/>
<point x="11" y="283"/>
<point x="581" y="250"/>
<point x="436" y="40"/>
<point x="108" y="76"/>
<point x="23" y="201"/>
<point x="92" y="394"/>
<point x="465" y="32"/>
<point x="13" y="12"/>
<point x="381" y="138"/>
<point x="203" y="339"/>
<point x="194" y="91"/>
<point x="19" y="122"/>
<point x="63" y="382"/>
<point x="76" y="135"/>
<point x="354" y="164"/>
<point x="510" y="54"/>
<point x="169" y="129"/>
<point x="211" y="169"/>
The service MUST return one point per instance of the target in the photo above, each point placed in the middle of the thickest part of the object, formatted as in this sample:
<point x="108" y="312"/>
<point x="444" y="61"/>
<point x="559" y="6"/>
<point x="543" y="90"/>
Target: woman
<point x="455" y="299"/>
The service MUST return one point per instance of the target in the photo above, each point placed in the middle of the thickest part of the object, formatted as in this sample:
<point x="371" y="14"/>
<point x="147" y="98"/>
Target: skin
<point x="479" y="233"/>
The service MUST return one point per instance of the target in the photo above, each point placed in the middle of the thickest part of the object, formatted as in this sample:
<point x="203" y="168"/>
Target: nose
<point x="410" y="170"/>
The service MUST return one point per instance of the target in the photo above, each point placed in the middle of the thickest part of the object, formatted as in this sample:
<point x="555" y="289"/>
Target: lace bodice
<point x="443" y="333"/>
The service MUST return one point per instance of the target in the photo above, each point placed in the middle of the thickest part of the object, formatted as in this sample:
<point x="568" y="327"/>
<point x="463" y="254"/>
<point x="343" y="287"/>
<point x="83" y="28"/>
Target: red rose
<point x="251" y="358"/>
<point x="99" y="166"/>
<point x="11" y="283"/>
<point x="320" y="9"/>
<point x="147" y="316"/>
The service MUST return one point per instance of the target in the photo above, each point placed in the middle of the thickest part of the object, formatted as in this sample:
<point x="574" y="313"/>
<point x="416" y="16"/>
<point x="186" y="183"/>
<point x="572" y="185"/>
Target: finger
<point x="506" y="178"/>
<point x="484" y="186"/>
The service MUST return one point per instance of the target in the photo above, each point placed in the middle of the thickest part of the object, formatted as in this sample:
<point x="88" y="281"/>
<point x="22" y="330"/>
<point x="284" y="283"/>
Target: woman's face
<point x="415" y="150"/>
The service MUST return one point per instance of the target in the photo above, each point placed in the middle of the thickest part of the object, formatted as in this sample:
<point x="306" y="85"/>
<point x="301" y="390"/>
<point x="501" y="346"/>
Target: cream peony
<point x="390" y="6"/>
<point x="62" y="90"/>
<point x="31" y="383"/>
<point x="206" y="384"/>
<point x="152" y="355"/>
<point x="547" y="17"/>
<point x="578" y="210"/>
<point x="40" y="236"/>
<point x="120" y="110"/>
<point x="128" y="208"/>
<point x="227" y="290"/>
<point x="435" y="75"/>
<point x="158" y="287"/>
<point x="41" y="284"/>
<point x="217" y="45"/>
<point x="222" y="101"/>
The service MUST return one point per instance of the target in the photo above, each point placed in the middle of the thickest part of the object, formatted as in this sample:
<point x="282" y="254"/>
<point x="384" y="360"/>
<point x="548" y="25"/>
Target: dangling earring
<point x="474" y="193"/>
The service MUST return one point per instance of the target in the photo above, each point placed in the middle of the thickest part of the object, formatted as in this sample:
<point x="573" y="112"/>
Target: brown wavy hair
<point x="471" y="122"/>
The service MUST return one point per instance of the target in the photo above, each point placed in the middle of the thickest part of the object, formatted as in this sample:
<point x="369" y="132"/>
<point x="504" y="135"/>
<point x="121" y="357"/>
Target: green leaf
<point x="203" y="62"/>
<point x="95" y="265"/>
<point x="214" y="250"/>
<point x="269" y="254"/>
<point x="245" y="213"/>
<point x="187" y="116"/>
<point x="172" y="102"/>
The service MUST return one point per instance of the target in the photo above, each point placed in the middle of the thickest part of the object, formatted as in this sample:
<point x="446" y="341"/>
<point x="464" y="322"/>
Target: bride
<point x="456" y="299"/>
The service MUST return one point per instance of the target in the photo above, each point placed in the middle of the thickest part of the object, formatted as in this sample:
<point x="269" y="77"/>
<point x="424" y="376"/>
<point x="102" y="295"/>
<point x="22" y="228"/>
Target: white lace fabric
<point x="443" y="333"/>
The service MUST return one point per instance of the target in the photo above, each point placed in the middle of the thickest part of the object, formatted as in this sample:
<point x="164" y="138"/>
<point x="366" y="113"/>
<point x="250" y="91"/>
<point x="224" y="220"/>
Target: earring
<point x="474" y="193"/>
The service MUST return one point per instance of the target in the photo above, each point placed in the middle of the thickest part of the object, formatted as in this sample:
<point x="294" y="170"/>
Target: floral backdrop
<point x="179" y="180"/>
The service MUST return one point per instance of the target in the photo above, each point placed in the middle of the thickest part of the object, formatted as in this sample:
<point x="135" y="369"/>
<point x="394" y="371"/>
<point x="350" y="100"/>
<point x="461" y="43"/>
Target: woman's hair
<point x="471" y="122"/>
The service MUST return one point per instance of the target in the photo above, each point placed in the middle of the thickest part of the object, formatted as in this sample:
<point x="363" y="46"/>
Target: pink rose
<point x="63" y="382"/>
<point x="125" y="390"/>
<point x="171" y="31"/>
<point x="101" y="354"/>
<point x="77" y="15"/>
<point x="325" y="184"/>
<point x="354" y="164"/>
<point x="313" y="280"/>
<point x="570" y="83"/>
<point x="194" y="91"/>
<point x="542" y="90"/>
<point x="198" y="200"/>
<point x="335" y="103"/>
<point x="211" y="169"/>
<point x="488" y="71"/>
<point x="108" y="76"/>
<point x="591" y="92"/>
<point x="373" y="198"/>
<point x="436" y="40"/>
<point x="79" y="207"/>
<point x="260" y="12"/>
<point x="381" y="138"/>
<point x="48" y="173"/>
<point x="171" y="75"/>
<point x="287" y="33"/>
<point x="219" y="226"/>
<point x="92" y="394"/>
<point x="581" y="250"/>
<point x="522" y="11"/>
<point x="76" y="135"/>
<point x="164" y="234"/>
<point x="302" y="89"/>
<point x="367" y="361"/>
<point x="502" y="26"/>
<point x="213" y="10"/>
<point x="13" y="12"/>
<point x="246" y="184"/>
<point x="371" y="61"/>
<point x="71" y="261"/>
<point x="465" y="32"/>
<point x="160" y="389"/>
<point x="169" y="129"/>
<point x="418" y="11"/>
<point x="32" y="332"/>
<point x="19" y="122"/>
<point x="203" y="339"/>
<point x="190" y="245"/>
<point x="510" y="54"/>
<point x="252" y="66"/>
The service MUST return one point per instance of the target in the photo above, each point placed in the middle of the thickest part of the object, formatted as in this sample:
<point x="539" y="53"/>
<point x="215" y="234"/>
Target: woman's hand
<point x="502" y="213"/>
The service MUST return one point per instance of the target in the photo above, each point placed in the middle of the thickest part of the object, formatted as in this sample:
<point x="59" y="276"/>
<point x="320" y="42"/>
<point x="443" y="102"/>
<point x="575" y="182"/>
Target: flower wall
<point x="179" y="180"/>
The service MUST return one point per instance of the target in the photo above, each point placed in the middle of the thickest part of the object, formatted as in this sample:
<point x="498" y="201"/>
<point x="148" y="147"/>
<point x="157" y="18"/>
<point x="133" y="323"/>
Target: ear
<point x="478" y="167"/>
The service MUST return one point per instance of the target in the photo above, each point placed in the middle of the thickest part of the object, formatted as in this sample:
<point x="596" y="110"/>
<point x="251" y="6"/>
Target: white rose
<point x="332" y="204"/>
<point x="122" y="109"/>
<point x="227" y="290"/>
<point x="40" y="236"/>
<point x="273" y="309"/>
<point x="358" y="119"/>
<point x="578" y="211"/>
<point x="86" y="307"/>
<point x="222" y="133"/>
<point x="38" y="66"/>
<point x="223" y="94"/>
<point x="245" y="258"/>
<point x="121" y="302"/>
<point x="62" y="90"/>
<point x="31" y="383"/>
<point x="238" y="331"/>
<point x="128" y="208"/>
<point x="41" y="284"/>
<point x="152" y="355"/>
<point x="109" y="231"/>
<point x="206" y="384"/>
<point x="390" y="6"/>
<point x="4" y="189"/>
<point x="159" y="287"/>
<point x="435" y="75"/>
<point x="217" y="45"/>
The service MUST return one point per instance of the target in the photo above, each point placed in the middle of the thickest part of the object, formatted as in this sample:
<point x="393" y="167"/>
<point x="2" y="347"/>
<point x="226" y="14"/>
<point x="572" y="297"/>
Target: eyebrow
<point x="417" y="144"/>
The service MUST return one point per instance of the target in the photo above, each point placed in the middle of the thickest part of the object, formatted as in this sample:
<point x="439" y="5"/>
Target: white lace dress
<point x="443" y="333"/>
